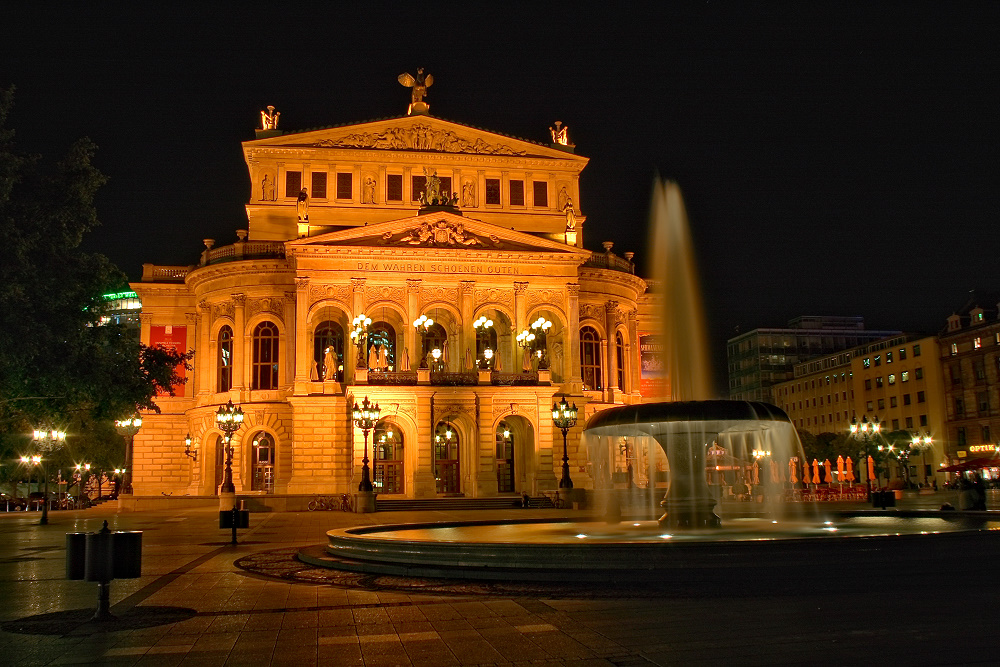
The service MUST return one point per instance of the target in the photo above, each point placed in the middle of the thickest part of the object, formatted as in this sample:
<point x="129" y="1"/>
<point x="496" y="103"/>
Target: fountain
<point x="689" y="429"/>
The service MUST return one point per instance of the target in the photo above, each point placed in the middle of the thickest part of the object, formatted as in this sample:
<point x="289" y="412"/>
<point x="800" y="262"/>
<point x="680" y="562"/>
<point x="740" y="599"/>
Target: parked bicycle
<point x="342" y="502"/>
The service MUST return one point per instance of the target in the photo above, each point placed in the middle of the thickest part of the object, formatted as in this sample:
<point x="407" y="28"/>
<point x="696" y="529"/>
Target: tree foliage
<point x="58" y="363"/>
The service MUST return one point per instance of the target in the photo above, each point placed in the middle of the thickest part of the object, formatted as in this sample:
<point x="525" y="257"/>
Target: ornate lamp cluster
<point x="564" y="417"/>
<point x="45" y="440"/>
<point x="193" y="454"/>
<point x="229" y="419"/>
<point x="533" y="339"/>
<point x="359" y="336"/>
<point x="423" y="324"/>
<point x="128" y="427"/>
<point x="864" y="432"/>
<point x="484" y="324"/>
<point x="365" y="417"/>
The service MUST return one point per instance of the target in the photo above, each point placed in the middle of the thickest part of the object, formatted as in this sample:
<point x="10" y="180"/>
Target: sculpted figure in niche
<point x="267" y="188"/>
<point x="368" y="191"/>
<point x="269" y="119"/>
<point x="570" y="215"/>
<point x="302" y="205"/>
<point x="469" y="194"/>
<point x="329" y="364"/>
<point x="563" y="197"/>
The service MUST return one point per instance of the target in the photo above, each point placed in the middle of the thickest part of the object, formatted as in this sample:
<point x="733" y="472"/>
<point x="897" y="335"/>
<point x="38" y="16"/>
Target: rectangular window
<point x="293" y="183"/>
<point x="878" y="359"/>
<point x="318" y="185"/>
<point x="921" y="397"/>
<point x="986" y="434"/>
<point x="345" y="186"/>
<point x="888" y="357"/>
<point x="954" y="348"/>
<point x="905" y="376"/>
<point x="955" y="371"/>
<point x="916" y="350"/>
<point x="923" y="420"/>
<point x="961" y="436"/>
<point x="869" y="406"/>
<point x="918" y="373"/>
<point x="878" y="382"/>
<point x="493" y="191"/>
<point x="902" y="354"/>
<point x="867" y="362"/>
<point x="909" y="422"/>
<point x="417" y="186"/>
<point x="983" y="401"/>
<point x="895" y="424"/>
<point x="516" y="193"/>
<point x="881" y="404"/>
<point x="979" y="368"/>
<point x="394" y="187"/>
<point x="868" y="383"/>
<point x="893" y="402"/>
<point x="906" y="399"/>
<point x="541" y="193"/>
<point x="977" y="343"/>
<point x="892" y="378"/>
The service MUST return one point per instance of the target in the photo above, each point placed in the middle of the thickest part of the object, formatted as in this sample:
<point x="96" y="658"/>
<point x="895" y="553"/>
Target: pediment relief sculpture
<point x="418" y="137"/>
<point x="441" y="233"/>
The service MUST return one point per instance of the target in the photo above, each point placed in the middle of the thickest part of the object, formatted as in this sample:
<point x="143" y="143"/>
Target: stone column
<point x="632" y="351"/>
<point x="610" y="312"/>
<point x="572" y="356"/>
<point x="466" y="336"/>
<point x="205" y="357"/>
<point x="145" y="321"/>
<point x="241" y="357"/>
<point x="358" y="305"/>
<point x="413" y="340"/>
<point x="291" y="338"/>
<point x="303" y="359"/>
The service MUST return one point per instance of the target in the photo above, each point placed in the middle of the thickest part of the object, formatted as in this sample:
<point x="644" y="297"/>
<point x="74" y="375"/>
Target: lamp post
<point x="359" y="336"/>
<point x="30" y="460"/>
<point x="482" y="327"/>
<point x="864" y="433"/>
<point x="128" y="428"/>
<point x="190" y="453"/>
<point x="540" y="328"/>
<point x="46" y="441"/>
<point x="564" y="417"/>
<point x="229" y="419"/>
<point x="81" y="470"/>
<point x="365" y="418"/>
<point x="922" y="444"/>
<point x="422" y="325"/>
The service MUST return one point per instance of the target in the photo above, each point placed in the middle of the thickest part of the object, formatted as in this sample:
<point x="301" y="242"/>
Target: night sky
<point x="836" y="158"/>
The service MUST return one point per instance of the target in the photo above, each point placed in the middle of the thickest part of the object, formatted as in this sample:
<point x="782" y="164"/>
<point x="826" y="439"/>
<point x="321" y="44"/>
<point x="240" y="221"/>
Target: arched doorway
<point x="506" y="478"/>
<point x="389" y="468"/>
<point x="446" y="458"/>
<point x="262" y="464"/>
<point x="328" y="350"/>
<point x="382" y="347"/>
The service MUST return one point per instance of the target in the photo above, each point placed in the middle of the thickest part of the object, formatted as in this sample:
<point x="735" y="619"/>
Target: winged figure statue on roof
<point x="419" y="85"/>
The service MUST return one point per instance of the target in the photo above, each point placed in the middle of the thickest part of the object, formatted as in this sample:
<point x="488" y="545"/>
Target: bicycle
<point x="346" y="502"/>
<point x="322" y="503"/>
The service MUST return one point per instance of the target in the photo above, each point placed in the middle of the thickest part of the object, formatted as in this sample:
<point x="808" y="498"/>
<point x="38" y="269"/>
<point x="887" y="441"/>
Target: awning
<point x="973" y="464"/>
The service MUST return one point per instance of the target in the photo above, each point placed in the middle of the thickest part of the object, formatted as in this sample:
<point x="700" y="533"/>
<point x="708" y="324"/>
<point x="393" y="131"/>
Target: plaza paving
<point x="195" y="604"/>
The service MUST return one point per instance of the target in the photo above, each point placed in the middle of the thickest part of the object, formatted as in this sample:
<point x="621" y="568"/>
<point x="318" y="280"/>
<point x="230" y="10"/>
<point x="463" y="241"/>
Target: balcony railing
<point x="611" y="261"/>
<point x="244" y="250"/>
<point x="452" y="379"/>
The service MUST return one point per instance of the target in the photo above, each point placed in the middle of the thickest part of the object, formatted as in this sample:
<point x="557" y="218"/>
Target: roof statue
<point x="419" y="83"/>
<point x="560" y="134"/>
<point x="269" y="119"/>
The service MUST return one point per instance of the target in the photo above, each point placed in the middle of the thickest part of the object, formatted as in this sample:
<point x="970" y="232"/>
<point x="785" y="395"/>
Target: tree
<point x="58" y="363"/>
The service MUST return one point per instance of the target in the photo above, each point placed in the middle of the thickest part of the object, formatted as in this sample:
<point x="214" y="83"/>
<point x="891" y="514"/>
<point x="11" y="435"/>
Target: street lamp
<point x="365" y="418"/>
<point x="229" y="419"/>
<point x="80" y="472"/>
<point x="46" y="441"/>
<point x="436" y="353"/>
<point x="30" y="460"/>
<point x="127" y="428"/>
<point x="541" y="327"/>
<point x="423" y="324"/>
<point x="359" y="335"/>
<point x="482" y="326"/>
<point x="192" y="454"/>
<point x="922" y="444"/>
<point x="564" y="417"/>
<point x="864" y="433"/>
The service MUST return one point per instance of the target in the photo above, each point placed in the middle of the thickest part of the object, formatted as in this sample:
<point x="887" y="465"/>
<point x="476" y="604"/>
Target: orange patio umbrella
<point x="827" y="471"/>
<point x="756" y="473"/>
<point x="840" y="469"/>
<point x="871" y="468"/>
<point x="806" y="475"/>
<point x="792" y="470"/>
<point x="850" y="470"/>
<point x="775" y="472"/>
<point x="815" y="471"/>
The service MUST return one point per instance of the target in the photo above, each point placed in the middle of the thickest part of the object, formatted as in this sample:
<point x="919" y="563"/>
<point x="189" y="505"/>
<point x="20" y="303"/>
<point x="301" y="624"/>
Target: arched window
<point x="505" y="458"/>
<point x="264" y="367"/>
<point x="620" y="356"/>
<point x="486" y="338"/>
<point x="434" y="338"/>
<point x="225" y="359"/>
<point x="262" y="465"/>
<point x="329" y="336"/>
<point x="388" y="441"/>
<point x="446" y="458"/>
<point x="590" y="359"/>
<point x="382" y="347"/>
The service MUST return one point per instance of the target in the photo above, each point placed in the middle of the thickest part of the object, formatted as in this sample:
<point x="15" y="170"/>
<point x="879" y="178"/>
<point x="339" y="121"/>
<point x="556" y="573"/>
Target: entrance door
<point x="505" y="458"/>
<point x="446" y="458"/>
<point x="263" y="464"/>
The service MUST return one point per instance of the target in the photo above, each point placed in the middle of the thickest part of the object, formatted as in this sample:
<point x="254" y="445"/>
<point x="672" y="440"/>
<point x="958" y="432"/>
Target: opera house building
<point x="434" y="268"/>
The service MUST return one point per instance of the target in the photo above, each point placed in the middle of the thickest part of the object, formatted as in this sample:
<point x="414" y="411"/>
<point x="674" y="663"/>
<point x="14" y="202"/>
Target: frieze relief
<point x="441" y="233"/>
<point x="592" y="311"/>
<point x="418" y="137"/>
<point x="433" y="294"/>
<point x="267" y="304"/>
<point x="224" y="309"/>
<point x="504" y="297"/>
<point x="543" y="296"/>
<point x="504" y="407"/>
<point x="320" y="292"/>
<point x="375" y="293"/>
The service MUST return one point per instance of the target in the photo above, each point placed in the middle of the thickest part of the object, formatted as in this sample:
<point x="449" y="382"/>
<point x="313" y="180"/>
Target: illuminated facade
<point x="356" y="232"/>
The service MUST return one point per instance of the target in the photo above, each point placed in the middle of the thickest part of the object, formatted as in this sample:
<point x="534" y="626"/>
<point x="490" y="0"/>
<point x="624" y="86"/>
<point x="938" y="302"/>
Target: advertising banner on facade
<point x="172" y="338"/>
<point x="653" y="383"/>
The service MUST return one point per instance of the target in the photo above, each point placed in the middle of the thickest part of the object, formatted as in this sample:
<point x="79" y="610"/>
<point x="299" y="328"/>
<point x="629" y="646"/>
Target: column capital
<point x="520" y="287"/>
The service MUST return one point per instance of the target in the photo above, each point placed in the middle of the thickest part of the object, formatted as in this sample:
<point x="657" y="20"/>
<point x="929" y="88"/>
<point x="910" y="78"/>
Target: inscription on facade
<point x="437" y="267"/>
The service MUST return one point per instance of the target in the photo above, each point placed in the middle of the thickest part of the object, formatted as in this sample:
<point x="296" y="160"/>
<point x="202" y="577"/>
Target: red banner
<point x="653" y="382"/>
<point x="172" y="338"/>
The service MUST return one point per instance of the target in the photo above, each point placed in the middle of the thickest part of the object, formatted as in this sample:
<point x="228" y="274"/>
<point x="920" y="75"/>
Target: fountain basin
<point x="565" y="550"/>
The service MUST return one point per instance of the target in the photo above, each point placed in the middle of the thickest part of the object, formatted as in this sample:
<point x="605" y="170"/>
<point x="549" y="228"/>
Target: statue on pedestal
<point x="419" y="83"/>
<point x="269" y="119"/>
<point x="560" y="134"/>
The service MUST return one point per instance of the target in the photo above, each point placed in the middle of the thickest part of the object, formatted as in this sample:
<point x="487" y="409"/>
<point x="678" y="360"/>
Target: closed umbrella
<point x="806" y="475"/>
<point x="850" y="470"/>
<point x="827" y="471"/>
<point x="871" y="468"/>
<point x="815" y="471"/>
<point x="468" y="359"/>
<point x="496" y="361"/>
<point x="756" y="473"/>
<point x="775" y="472"/>
<point x="526" y="361"/>
<point x="840" y="469"/>
<point x="405" y="366"/>
<point x="792" y="470"/>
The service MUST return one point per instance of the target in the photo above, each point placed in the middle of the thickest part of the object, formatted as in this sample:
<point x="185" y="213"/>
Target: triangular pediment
<point x="438" y="230"/>
<point x="415" y="134"/>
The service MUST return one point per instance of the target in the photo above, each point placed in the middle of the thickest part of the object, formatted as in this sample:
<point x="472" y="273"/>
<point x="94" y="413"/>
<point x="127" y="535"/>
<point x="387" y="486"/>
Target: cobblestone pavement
<point x="201" y="601"/>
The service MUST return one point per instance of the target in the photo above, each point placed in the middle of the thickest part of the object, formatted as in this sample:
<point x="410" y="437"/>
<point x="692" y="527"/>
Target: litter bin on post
<point x="101" y="557"/>
<point x="235" y="518"/>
